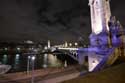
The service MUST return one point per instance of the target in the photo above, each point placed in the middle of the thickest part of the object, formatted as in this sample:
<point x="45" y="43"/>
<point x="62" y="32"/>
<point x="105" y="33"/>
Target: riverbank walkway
<point x="48" y="75"/>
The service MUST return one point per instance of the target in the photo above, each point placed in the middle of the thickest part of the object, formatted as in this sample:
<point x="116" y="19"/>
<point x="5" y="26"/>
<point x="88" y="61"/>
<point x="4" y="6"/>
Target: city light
<point x="70" y="44"/>
<point x="5" y="48"/>
<point x="33" y="58"/>
<point x="71" y="53"/>
<point x="76" y="44"/>
<point x="18" y="49"/>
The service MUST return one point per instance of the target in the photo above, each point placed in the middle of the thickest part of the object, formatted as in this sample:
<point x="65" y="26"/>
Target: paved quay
<point x="112" y="74"/>
<point x="47" y="75"/>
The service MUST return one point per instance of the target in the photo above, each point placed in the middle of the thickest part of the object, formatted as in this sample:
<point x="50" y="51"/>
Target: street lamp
<point x="18" y="48"/>
<point x="32" y="60"/>
<point x="70" y="44"/>
<point x="76" y="44"/>
<point x="28" y="64"/>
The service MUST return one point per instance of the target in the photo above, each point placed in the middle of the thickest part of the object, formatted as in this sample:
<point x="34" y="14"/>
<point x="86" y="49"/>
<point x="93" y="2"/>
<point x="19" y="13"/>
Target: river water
<point x="21" y="62"/>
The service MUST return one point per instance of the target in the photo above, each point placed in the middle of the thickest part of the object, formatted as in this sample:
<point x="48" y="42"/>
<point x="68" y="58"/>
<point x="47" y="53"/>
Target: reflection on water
<point x="19" y="62"/>
<point x="4" y="60"/>
<point x="53" y="61"/>
<point x="45" y="60"/>
<point x="50" y="60"/>
<point x="65" y="64"/>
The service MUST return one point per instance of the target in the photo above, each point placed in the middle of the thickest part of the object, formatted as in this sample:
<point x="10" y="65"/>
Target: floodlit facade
<point x="100" y="15"/>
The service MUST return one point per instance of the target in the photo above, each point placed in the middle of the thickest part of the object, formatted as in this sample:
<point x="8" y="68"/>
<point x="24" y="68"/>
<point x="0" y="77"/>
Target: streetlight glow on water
<point x="4" y="59"/>
<point x="17" y="61"/>
<point x="20" y="62"/>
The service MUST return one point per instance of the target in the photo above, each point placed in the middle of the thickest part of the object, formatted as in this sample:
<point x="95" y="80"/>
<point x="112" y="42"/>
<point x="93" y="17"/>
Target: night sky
<point x="55" y="20"/>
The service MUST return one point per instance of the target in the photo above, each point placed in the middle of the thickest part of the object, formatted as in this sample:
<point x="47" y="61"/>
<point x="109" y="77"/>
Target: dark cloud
<point x="117" y="8"/>
<point x="40" y="20"/>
